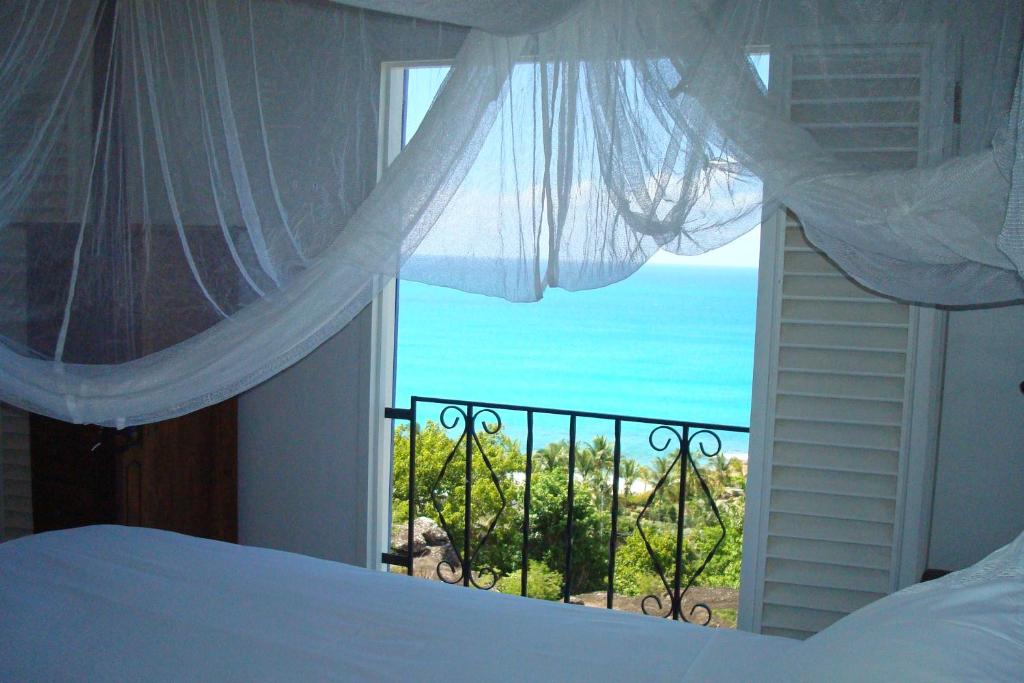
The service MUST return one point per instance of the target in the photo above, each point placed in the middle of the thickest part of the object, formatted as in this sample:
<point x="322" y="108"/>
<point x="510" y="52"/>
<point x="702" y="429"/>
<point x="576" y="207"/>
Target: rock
<point x="430" y="548"/>
<point x="426" y="534"/>
<point x="400" y="540"/>
<point x="427" y="565"/>
<point x="432" y="533"/>
<point x="433" y="553"/>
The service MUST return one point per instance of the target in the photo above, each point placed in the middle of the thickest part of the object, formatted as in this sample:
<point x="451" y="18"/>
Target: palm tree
<point x="665" y="505"/>
<point x="600" y="454"/>
<point x="604" y="451"/>
<point x="587" y="464"/>
<point x="646" y="475"/>
<point x="660" y="466"/>
<point x="717" y="471"/>
<point x="553" y="456"/>
<point x="630" y="472"/>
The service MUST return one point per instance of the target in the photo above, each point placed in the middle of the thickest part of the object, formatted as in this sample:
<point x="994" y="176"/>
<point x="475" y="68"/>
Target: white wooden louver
<point x="839" y="362"/>
<point x="53" y="200"/>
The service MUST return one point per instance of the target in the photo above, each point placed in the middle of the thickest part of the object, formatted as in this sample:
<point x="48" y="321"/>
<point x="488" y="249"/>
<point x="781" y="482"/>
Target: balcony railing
<point x="468" y="422"/>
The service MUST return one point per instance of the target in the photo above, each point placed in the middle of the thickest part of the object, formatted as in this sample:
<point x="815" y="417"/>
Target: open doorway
<point x="644" y="513"/>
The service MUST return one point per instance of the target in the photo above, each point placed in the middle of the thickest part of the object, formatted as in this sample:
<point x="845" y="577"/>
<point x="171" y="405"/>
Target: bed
<point x="119" y="603"/>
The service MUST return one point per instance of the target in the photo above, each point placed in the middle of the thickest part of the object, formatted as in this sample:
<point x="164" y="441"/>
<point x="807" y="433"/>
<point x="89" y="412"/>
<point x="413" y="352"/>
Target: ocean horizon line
<point x="670" y="342"/>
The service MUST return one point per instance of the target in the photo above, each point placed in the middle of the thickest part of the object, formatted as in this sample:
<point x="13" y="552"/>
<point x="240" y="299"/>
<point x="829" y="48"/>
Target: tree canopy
<point x="496" y="518"/>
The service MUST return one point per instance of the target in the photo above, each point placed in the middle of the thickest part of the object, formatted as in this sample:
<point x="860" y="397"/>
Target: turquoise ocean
<point x="671" y="341"/>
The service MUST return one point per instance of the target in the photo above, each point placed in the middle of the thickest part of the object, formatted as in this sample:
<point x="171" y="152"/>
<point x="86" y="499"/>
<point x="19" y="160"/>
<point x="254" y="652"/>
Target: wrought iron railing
<point x="690" y="440"/>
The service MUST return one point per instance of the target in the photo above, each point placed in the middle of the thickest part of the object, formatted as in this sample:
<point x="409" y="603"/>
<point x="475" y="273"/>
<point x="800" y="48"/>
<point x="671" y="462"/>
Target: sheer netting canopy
<point x="189" y="193"/>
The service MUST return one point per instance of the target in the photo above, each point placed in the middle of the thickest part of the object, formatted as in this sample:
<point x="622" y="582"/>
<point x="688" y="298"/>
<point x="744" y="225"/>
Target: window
<point x="838" y="477"/>
<point x="688" y="356"/>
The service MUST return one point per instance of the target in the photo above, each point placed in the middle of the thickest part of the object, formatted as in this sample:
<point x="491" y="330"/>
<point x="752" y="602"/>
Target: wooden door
<point x="178" y="475"/>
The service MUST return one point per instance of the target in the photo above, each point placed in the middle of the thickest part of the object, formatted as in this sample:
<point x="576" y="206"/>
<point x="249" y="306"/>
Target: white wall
<point x="303" y="436"/>
<point x="979" y="479"/>
<point x="979" y="483"/>
<point x="302" y="465"/>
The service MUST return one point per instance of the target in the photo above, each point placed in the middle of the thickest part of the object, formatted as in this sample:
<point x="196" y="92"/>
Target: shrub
<point x="541" y="582"/>
<point x="548" y="518"/>
<point x="634" y="571"/>
<point x="724" y="568"/>
<point x="500" y="552"/>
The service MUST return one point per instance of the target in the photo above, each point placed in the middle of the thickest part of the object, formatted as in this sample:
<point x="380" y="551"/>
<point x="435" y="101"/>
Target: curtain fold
<point x="188" y="195"/>
<point x="1009" y="161"/>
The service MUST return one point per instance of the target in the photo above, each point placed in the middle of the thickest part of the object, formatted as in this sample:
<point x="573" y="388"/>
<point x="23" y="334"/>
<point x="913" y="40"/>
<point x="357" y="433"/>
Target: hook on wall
<point x="117" y="441"/>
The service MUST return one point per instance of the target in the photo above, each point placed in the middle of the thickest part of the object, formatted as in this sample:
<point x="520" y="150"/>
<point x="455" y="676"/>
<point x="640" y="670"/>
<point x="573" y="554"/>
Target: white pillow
<point x="966" y="626"/>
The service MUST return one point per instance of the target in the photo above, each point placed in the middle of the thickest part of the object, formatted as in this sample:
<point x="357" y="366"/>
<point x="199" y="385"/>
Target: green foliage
<point x="448" y="485"/>
<point x="501" y="554"/>
<point x="726" y="617"/>
<point x="630" y="471"/>
<point x="724" y="568"/>
<point x="634" y="570"/>
<point x="541" y="582"/>
<point x="548" y="522"/>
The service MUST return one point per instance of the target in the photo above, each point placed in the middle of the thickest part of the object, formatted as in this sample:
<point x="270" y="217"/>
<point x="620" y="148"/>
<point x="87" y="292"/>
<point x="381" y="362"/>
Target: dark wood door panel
<point x="178" y="475"/>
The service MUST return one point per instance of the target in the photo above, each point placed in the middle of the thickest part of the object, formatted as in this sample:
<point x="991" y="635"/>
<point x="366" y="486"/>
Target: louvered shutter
<point x="50" y="204"/>
<point x="838" y="364"/>
<point x="56" y="193"/>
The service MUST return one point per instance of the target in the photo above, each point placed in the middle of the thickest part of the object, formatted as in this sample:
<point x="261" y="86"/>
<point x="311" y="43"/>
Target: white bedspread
<point x="114" y="603"/>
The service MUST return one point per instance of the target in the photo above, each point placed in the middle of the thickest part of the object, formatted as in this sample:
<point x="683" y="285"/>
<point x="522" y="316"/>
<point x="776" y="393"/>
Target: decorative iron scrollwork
<point x="468" y="572"/>
<point x="474" y="422"/>
<point x="448" y="423"/>
<point x="670" y="603"/>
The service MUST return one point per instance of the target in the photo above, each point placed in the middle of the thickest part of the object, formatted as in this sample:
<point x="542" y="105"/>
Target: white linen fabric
<point x="968" y="625"/>
<point x="1011" y="165"/>
<point x="118" y="603"/>
<point x="185" y="188"/>
<point x="114" y="603"/>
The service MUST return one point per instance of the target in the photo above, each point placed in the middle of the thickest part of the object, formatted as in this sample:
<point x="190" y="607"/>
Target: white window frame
<point x="383" y="328"/>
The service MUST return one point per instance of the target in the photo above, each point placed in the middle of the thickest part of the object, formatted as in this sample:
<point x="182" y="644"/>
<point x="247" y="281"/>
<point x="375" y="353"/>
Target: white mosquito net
<point x="187" y="189"/>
